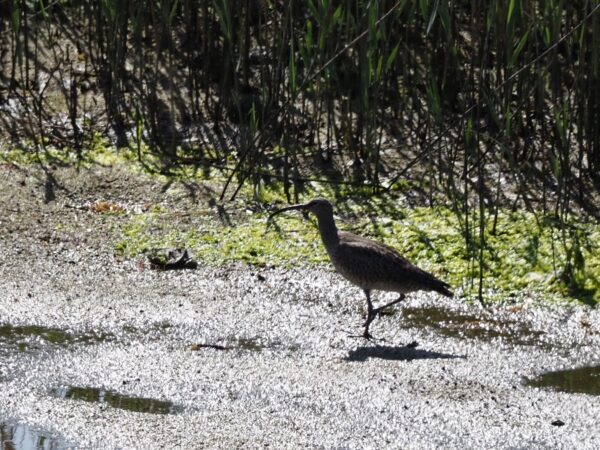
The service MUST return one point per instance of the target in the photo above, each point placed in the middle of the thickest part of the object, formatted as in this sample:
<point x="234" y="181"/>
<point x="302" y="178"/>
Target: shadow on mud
<point x="583" y="380"/>
<point x="25" y="337"/>
<point x="460" y="324"/>
<point x="16" y="436"/>
<point x="406" y="353"/>
<point x="120" y="401"/>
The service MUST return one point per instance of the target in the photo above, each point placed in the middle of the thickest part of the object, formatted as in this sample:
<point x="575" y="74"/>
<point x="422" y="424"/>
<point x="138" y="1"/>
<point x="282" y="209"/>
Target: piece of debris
<point x="171" y="259"/>
<point x="196" y="347"/>
<point x="558" y="423"/>
<point x="105" y="207"/>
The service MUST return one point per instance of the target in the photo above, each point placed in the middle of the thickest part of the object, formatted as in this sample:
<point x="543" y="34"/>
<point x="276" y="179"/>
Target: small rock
<point x="171" y="259"/>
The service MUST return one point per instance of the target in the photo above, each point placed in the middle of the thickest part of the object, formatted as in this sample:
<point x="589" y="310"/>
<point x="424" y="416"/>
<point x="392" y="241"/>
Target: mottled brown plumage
<point x="367" y="263"/>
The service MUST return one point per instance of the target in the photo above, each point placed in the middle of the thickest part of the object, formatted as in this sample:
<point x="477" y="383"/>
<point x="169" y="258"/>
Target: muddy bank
<point x="100" y="352"/>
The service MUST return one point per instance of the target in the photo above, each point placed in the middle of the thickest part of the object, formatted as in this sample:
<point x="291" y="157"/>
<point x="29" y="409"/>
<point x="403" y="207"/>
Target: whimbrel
<point x="368" y="264"/>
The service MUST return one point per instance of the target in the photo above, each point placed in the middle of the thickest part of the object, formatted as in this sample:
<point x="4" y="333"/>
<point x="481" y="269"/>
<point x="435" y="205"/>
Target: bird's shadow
<point x="396" y="353"/>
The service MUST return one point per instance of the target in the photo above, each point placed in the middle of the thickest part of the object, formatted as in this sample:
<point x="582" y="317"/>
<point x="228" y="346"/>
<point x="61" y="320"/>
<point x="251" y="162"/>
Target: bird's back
<point x="372" y="265"/>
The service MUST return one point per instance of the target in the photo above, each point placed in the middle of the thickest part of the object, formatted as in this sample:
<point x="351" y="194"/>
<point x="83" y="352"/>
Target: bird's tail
<point x="443" y="289"/>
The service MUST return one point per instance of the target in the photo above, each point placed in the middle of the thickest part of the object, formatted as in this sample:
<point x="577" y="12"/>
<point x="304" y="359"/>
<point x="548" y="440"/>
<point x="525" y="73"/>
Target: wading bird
<point x="368" y="264"/>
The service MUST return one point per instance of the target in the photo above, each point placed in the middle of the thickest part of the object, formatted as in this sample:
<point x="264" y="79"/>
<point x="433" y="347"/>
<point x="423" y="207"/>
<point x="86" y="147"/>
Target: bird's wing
<point x="379" y="261"/>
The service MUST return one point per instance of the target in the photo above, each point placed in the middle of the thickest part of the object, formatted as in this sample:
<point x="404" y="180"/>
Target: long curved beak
<point x="288" y="208"/>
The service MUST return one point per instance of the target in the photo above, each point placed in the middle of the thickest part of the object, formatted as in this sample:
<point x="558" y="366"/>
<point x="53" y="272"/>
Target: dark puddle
<point x="25" y="336"/>
<point x="22" y="437"/>
<point x="584" y="380"/>
<point x="135" y="404"/>
<point x="464" y="325"/>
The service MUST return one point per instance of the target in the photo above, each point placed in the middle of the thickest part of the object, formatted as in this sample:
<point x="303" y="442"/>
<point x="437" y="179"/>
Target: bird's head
<point x="320" y="207"/>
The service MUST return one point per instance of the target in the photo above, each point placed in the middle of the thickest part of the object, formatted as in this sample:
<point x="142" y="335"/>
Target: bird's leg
<point x="381" y="308"/>
<point x="370" y="315"/>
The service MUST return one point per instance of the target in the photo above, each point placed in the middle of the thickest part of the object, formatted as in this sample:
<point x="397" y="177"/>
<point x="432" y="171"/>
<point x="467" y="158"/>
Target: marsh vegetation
<point x="486" y="114"/>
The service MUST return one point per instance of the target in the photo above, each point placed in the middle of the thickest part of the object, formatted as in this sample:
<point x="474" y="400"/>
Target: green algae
<point x="248" y="241"/>
<point x="522" y="252"/>
<point x="521" y="255"/>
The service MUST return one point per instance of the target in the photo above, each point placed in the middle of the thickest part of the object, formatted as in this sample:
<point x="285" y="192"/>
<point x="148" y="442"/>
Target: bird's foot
<point x="369" y="337"/>
<point x="366" y="334"/>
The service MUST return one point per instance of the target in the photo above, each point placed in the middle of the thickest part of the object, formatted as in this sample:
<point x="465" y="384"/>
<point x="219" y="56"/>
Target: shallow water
<point x="583" y="380"/>
<point x="460" y="324"/>
<point x="114" y="399"/>
<point x="25" y="337"/>
<point x="17" y="436"/>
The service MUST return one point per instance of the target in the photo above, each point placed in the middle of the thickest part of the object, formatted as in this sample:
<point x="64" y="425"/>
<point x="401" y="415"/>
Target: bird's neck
<point x="329" y="233"/>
